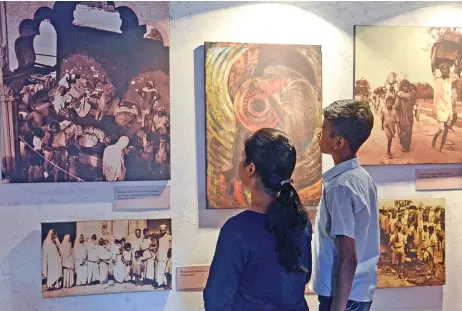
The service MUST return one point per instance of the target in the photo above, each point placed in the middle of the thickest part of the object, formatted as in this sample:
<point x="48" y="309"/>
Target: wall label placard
<point x="141" y="197"/>
<point x="194" y="278"/>
<point x="438" y="179"/>
<point x="191" y="278"/>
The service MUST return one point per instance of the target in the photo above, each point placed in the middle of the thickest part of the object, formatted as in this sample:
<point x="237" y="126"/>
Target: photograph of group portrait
<point x="106" y="256"/>
<point x="410" y="76"/>
<point x="412" y="243"/>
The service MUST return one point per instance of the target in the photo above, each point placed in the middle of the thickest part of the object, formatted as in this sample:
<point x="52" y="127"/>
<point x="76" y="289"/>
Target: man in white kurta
<point x="160" y="122"/>
<point x="165" y="243"/>
<point x="442" y="99"/>
<point x="136" y="241"/>
<point x="119" y="267"/>
<point x="81" y="267"/>
<point x="144" y="246"/>
<point x="52" y="269"/>
<point x="149" y="96"/>
<point x="113" y="160"/>
<point x="92" y="260"/>
<point x="149" y="258"/>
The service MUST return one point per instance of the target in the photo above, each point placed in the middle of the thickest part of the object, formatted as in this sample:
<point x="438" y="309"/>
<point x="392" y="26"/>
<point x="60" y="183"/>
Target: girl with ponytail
<point x="263" y="255"/>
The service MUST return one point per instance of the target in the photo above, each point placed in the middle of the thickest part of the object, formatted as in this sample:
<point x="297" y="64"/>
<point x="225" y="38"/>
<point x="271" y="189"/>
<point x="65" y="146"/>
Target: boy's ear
<point x="339" y="142"/>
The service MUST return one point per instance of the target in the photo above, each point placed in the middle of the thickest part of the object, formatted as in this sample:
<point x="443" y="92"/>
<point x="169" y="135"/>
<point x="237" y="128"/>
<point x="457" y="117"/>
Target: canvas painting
<point x="106" y="256"/>
<point x="412" y="243"/>
<point x="253" y="86"/>
<point x="87" y="92"/>
<point x="410" y="77"/>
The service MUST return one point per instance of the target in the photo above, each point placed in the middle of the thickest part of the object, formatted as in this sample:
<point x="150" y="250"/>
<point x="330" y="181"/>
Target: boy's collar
<point x="340" y="169"/>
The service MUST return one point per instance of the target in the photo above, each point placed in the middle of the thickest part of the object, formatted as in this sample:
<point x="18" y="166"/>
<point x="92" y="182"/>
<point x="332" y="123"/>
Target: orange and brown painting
<point x="252" y="86"/>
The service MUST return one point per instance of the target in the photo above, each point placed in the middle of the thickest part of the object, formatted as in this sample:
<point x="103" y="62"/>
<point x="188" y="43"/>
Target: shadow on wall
<point x="208" y="218"/>
<point x="20" y="276"/>
<point x="369" y="12"/>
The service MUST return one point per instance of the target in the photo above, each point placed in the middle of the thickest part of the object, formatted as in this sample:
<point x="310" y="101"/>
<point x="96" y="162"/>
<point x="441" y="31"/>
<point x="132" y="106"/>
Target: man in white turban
<point x="113" y="160"/>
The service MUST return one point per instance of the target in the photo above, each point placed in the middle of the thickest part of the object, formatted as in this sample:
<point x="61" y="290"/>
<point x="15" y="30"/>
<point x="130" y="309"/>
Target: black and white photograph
<point x="412" y="243"/>
<point x="410" y="76"/>
<point x="87" y="93"/>
<point x="106" y="256"/>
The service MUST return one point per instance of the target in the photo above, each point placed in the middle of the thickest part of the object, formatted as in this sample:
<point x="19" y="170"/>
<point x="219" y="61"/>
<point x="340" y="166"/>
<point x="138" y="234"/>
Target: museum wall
<point x="24" y="206"/>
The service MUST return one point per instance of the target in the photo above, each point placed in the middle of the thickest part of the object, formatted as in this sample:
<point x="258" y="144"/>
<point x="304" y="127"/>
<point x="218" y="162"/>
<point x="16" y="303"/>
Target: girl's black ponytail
<point x="287" y="219"/>
<point x="274" y="158"/>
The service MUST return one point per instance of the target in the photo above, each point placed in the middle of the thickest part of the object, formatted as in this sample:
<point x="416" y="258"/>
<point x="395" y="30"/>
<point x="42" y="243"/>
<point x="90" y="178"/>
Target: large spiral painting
<point x="252" y="86"/>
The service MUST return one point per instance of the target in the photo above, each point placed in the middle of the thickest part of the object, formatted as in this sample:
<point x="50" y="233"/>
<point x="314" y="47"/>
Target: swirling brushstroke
<point x="251" y="86"/>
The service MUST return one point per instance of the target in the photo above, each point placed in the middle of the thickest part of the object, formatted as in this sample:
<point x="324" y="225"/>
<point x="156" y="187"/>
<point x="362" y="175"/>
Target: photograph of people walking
<point x="108" y="256"/>
<point x="412" y="243"/>
<point x="410" y="77"/>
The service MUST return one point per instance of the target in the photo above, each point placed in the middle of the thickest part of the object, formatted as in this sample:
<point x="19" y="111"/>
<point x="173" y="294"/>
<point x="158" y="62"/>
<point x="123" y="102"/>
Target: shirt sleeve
<point x="227" y="267"/>
<point x="342" y="212"/>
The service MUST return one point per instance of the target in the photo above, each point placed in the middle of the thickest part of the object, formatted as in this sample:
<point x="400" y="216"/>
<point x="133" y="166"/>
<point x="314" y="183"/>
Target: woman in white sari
<point x="67" y="252"/>
<point x="113" y="160"/>
<point x="92" y="261"/>
<point x="52" y="269"/>
<point x="80" y="256"/>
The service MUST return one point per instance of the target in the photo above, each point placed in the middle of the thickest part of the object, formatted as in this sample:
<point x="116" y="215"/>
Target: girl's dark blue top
<point x="245" y="274"/>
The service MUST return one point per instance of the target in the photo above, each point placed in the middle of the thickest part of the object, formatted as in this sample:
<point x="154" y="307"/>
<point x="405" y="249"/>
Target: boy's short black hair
<point x="352" y="120"/>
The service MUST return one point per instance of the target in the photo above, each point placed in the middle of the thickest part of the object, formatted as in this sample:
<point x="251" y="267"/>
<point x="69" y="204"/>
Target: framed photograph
<point x="412" y="243"/>
<point x="410" y="78"/>
<point x="93" y="105"/>
<point x="253" y="86"/>
<point x="106" y="256"/>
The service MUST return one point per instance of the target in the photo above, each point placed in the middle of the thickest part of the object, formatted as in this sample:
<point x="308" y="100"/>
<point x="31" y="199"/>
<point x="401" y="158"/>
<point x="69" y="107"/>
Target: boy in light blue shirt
<point x="347" y="236"/>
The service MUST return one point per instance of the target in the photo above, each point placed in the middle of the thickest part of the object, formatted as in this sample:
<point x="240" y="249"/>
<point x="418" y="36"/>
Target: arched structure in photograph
<point x="88" y="77"/>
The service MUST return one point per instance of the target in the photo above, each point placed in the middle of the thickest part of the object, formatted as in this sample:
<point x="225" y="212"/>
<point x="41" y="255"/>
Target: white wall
<point x="23" y="207"/>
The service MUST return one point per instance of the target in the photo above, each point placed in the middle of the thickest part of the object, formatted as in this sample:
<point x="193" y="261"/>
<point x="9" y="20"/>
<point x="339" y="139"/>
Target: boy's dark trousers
<point x="325" y="304"/>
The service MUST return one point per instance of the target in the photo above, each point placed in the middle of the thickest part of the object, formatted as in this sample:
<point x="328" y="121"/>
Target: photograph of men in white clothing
<point x="108" y="256"/>
<point x="410" y="77"/>
<point x="412" y="243"/>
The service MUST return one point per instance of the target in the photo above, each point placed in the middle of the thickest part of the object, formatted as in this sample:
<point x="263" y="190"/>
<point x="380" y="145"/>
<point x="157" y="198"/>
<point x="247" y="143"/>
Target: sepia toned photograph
<point x="87" y="92"/>
<point x="412" y="243"/>
<point x="410" y="76"/>
<point x="107" y="256"/>
<point x="253" y="86"/>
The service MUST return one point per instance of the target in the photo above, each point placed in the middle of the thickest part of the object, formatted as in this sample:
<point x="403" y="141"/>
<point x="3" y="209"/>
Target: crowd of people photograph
<point x="79" y="113"/>
<point x="81" y="261"/>
<point x="412" y="243"/>
<point x="76" y="134"/>
<point x="415" y="101"/>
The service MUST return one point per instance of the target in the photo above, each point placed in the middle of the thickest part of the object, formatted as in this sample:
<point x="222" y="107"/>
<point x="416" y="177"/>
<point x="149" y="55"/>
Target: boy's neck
<point x="343" y="157"/>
